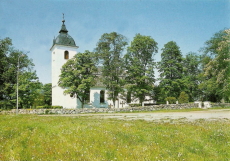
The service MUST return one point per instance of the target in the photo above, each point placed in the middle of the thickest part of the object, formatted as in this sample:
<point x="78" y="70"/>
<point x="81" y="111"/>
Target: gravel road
<point x="156" y="116"/>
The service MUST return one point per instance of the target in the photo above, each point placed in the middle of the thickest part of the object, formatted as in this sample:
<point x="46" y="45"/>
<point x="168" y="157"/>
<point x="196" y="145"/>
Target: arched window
<point x="66" y="55"/>
<point x="102" y="96"/>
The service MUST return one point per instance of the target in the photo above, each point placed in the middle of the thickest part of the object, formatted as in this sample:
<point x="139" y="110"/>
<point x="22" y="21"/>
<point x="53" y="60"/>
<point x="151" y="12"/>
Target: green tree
<point x="44" y="95"/>
<point x="47" y="92"/>
<point x="216" y="67"/>
<point x="171" y="69"/>
<point x="29" y="87"/>
<point x="140" y="66"/>
<point x="5" y="45"/>
<point x="191" y="72"/>
<point x="183" y="98"/>
<point x="171" y="100"/>
<point x="78" y="75"/>
<point x="109" y="52"/>
<point x="10" y="60"/>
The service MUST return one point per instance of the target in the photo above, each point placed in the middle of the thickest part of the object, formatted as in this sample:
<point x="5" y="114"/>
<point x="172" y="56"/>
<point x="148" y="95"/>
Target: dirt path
<point x="155" y="116"/>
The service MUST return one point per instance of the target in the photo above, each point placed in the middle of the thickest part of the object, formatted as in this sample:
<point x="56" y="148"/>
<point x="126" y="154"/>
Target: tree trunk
<point x="82" y="101"/>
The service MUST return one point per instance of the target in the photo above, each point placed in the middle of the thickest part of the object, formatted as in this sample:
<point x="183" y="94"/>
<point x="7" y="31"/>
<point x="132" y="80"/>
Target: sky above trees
<point x="32" y="25"/>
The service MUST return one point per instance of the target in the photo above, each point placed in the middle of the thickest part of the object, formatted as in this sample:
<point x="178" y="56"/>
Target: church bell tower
<point x="63" y="49"/>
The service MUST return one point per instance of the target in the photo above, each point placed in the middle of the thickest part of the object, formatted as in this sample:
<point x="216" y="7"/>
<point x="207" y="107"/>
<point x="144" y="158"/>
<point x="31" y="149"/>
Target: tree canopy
<point x="109" y="51"/>
<point x="170" y="69"/>
<point x="78" y="75"/>
<point x="139" y="65"/>
<point x="191" y="75"/>
<point x="216" y="67"/>
<point x="15" y="62"/>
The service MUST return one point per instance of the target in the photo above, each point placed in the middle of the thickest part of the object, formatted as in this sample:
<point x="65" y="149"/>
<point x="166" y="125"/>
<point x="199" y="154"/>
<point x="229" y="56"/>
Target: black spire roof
<point x="63" y="28"/>
<point x="64" y="38"/>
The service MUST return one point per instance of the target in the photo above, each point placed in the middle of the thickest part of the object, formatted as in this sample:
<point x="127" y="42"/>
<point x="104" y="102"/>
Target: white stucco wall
<point x="58" y="60"/>
<point x="95" y="98"/>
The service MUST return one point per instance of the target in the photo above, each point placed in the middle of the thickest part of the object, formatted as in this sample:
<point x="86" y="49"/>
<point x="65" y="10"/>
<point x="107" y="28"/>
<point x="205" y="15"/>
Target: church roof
<point x="64" y="38"/>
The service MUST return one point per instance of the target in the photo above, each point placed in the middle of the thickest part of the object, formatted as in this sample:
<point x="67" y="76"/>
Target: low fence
<point x="220" y="105"/>
<point x="111" y="110"/>
<point x="101" y="110"/>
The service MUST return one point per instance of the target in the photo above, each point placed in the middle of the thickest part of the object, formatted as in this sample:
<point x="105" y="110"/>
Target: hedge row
<point x="49" y="107"/>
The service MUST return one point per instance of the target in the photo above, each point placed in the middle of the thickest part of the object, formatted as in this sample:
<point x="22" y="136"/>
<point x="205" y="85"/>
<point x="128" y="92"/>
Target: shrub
<point x="56" y="107"/>
<point x="183" y="98"/>
<point x="40" y="107"/>
<point x="43" y="107"/>
<point x="47" y="106"/>
<point x="171" y="100"/>
<point x="134" y="104"/>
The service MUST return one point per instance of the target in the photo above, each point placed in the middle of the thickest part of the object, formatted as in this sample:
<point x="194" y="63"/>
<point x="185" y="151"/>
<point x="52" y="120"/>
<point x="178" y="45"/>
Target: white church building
<point x="63" y="49"/>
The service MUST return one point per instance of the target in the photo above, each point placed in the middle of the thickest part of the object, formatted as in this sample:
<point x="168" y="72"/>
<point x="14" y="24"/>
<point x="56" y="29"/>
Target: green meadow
<point x="32" y="137"/>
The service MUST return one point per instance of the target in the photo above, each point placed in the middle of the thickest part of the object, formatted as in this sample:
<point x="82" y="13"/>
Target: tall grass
<point x="31" y="137"/>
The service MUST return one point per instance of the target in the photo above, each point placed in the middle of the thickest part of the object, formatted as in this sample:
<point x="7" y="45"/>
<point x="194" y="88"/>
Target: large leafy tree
<point x="47" y="92"/>
<point x="109" y="52"/>
<point x="5" y="45"/>
<point x="170" y="69"/>
<point x="15" y="62"/>
<point x="78" y="75"/>
<point x="216" y="63"/>
<point x="28" y="89"/>
<point x="140" y="66"/>
<point x="44" y="95"/>
<point x="191" y="71"/>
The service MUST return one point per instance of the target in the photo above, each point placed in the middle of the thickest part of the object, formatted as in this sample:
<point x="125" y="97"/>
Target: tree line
<point x="31" y="92"/>
<point x="126" y="71"/>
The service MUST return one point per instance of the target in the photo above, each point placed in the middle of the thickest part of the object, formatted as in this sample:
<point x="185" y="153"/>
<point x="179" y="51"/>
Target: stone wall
<point x="220" y="105"/>
<point x="101" y="110"/>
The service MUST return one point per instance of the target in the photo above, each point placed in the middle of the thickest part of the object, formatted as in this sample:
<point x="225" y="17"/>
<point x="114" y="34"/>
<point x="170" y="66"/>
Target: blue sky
<point x="32" y="24"/>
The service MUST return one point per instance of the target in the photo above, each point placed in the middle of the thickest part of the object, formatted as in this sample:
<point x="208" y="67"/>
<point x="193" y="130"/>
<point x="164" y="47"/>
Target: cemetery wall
<point x="101" y="110"/>
<point x="111" y="110"/>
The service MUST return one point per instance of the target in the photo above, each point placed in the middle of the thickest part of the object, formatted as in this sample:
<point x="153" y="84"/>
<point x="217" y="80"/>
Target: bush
<point x="134" y="104"/>
<point x="40" y="107"/>
<point x="183" y="98"/>
<point x="56" y="107"/>
<point x="43" y="107"/>
<point x="171" y="100"/>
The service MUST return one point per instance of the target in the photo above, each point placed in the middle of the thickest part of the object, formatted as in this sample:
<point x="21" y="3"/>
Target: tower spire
<point x="63" y="28"/>
<point x="64" y="38"/>
<point x="63" y="17"/>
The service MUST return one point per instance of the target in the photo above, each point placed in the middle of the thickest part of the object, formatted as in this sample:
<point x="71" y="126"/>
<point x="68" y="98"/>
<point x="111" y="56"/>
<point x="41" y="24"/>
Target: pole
<point x="18" y="80"/>
<point x="17" y="84"/>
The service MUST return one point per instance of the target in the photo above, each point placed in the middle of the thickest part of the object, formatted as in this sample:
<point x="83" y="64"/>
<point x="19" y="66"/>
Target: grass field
<point x="32" y="137"/>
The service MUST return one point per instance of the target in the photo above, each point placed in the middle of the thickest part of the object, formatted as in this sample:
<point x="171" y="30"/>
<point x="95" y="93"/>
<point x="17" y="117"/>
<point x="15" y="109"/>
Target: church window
<point x="66" y="55"/>
<point x="102" y="96"/>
